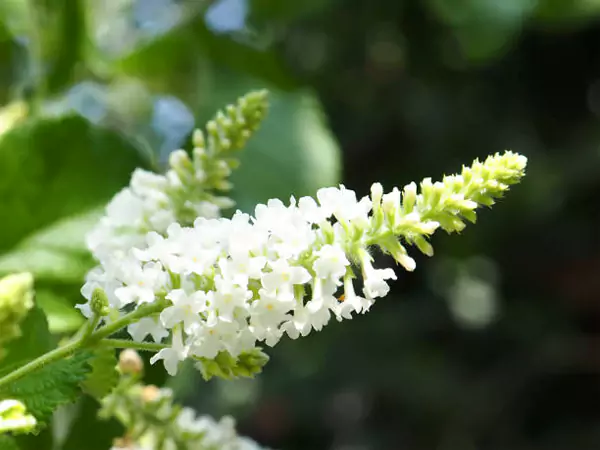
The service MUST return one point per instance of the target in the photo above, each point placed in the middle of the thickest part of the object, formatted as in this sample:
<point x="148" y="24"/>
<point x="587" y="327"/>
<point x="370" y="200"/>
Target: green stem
<point x="85" y="340"/>
<point x="123" y="343"/>
<point x="90" y="326"/>
<point x="38" y="363"/>
<point x="142" y="311"/>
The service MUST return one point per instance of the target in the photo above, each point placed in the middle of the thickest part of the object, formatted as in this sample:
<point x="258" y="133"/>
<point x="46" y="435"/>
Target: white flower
<point x="185" y="308"/>
<point x="310" y="211"/>
<point x="228" y="297"/>
<point x="173" y="355"/>
<point x="211" y="337"/>
<point x="374" y="282"/>
<point x="331" y="262"/>
<point x="283" y="276"/>
<point x="341" y="203"/>
<point x="145" y="326"/>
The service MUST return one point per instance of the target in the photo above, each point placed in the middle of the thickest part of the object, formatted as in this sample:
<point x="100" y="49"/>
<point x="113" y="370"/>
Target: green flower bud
<point x="247" y="365"/>
<point x="99" y="302"/>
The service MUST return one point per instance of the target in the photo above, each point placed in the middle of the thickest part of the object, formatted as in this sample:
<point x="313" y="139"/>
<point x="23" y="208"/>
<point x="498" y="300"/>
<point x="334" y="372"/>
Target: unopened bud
<point x="130" y="362"/>
<point x="180" y="161"/>
<point x="16" y="294"/>
<point x="198" y="139"/>
<point x="376" y="193"/>
<point x="247" y="364"/>
<point x="16" y="299"/>
<point x="409" y="197"/>
<point x="99" y="302"/>
<point x="391" y="202"/>
<point x="150" y="393"/>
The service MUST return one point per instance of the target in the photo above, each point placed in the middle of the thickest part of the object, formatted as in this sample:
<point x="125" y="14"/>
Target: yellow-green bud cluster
<point x="246" y="365"/>
<point x="214" y="156"/>
<point x="16" y="299"/>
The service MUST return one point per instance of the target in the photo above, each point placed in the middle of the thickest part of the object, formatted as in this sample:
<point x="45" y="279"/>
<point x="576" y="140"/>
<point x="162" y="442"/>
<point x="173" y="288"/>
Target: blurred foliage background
<point x="491" y="345"/>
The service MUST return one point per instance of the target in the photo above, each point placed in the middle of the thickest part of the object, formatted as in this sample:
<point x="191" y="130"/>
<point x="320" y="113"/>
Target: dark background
<point x="492" y="344"/>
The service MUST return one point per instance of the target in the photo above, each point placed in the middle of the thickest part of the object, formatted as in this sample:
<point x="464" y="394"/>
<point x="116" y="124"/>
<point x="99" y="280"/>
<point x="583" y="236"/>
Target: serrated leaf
<point x="53" y="385"/>
<point x="103" y="376"/>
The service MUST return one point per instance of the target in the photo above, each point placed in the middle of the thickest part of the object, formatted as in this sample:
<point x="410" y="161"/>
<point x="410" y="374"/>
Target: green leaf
<point x="53" y="385"/>
<point x="60" y="311"/>
<point x="104" y="376"/>
<point x="275" y="10"/>
<point x="87" y="424"/>
<point x="34" y="341"/>
<point x="8" y="443"/>
<point x="181" y="62"/>
<point x="56" y="175"/>
<point x="57" y="167"/>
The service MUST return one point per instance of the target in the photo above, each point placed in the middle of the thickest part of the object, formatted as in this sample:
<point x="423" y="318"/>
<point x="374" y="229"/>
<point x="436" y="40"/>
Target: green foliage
<point x="34" y="341"/>
<point x="8" y="443"/>
<point x="42" y="162"/>
<point x="48" y="160"/>
<point x="53" y="385"/>
<point x="104" y="376"/>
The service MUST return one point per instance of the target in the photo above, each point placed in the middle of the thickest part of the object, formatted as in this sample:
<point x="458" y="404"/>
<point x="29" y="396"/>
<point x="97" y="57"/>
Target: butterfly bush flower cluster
<point x="227" y="285"/>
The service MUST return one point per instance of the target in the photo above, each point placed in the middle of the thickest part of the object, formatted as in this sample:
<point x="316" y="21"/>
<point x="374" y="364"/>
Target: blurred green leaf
<point x="8" y="443"/>
<point x="180" y="61"/>
<point x="52" y="168"/>
<point x="57" y="252"/>
<point x="60" y="311"/>
<point x="573" y="12"/>
<point x="13" y="14"/>
<point x="104" y="376"/>
<point x="55" y="177"/>
<point x="87" y="424"/>
<point x="293" y="153"/>
<point x="34" y="341"/>
<point x="484" y="29"/>
<point x="268" y="10"/>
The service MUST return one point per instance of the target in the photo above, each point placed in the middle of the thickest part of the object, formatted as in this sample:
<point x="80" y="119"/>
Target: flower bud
<point x="150" y="393"/>
<point x="16" y="299"/>
<point x="409" y="197"/>
<point x="198" y="139"/>
<point x="130" y="362"/>
<point x="99" y="302"/>
<point x="225" y="366"/>
<point x="376" y="194"/>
